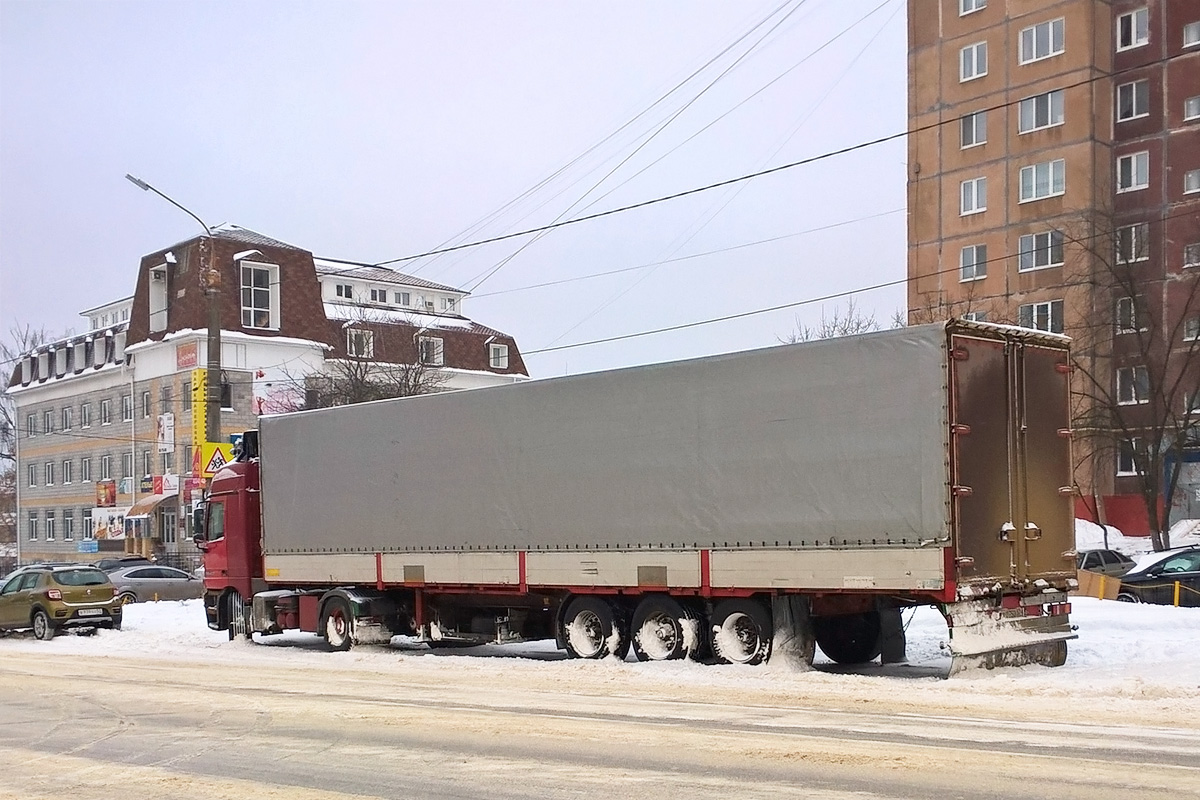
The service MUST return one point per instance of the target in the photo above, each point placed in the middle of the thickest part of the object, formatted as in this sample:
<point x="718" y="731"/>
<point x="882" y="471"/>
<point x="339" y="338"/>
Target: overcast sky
<point x="378" y="130"/>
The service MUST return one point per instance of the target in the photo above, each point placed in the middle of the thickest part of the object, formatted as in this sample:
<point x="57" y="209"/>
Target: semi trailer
<point x="720" y="507"/>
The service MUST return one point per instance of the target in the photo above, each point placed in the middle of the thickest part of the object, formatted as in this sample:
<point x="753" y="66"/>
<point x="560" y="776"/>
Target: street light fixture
<point x="210" y="279"/>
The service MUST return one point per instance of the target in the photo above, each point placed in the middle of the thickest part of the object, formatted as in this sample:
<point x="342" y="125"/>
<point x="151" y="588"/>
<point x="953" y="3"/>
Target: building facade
<point x="111" y="424"/>
<point x="1054" y="183"/>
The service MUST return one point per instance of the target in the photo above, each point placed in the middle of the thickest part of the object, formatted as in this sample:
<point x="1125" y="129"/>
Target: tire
<point x="849" y="638"/>
<point x="127" y="597"/>
<point x="741" y="631"/>
<point x="339" y="624"/>
<point x="43" y="628"/>
<point x="593" y="628"/>
<point x="663" y="630"/>
<point x="1128" y="597"/>
<point x="236" y="618"/>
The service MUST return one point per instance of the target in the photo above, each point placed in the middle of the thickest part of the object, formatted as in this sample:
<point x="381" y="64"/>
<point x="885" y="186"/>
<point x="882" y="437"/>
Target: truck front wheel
<point x="338" y="622"/>
<point x="849" y="638"/>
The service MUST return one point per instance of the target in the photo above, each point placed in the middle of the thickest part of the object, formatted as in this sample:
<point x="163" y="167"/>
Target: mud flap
<point x="1009" y="633"/>
<point x="893" y="644"/>
<point x="793" y="643"/>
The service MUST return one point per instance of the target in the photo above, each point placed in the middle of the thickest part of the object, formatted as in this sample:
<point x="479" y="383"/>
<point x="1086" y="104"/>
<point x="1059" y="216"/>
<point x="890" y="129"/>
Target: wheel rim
<point x="336" y="628"/>
<point x="126" y="599"/>
<point x="738" y="639"/>
<point x="39" y="625"/>
<point x="586" y="634"/>
<point x="659" y="637"/>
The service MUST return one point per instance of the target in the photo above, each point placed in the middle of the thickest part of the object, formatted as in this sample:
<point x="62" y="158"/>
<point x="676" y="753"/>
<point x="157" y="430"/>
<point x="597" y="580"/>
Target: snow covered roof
<point x="231" y="232"/>
<point x="370" y="272"/>
<point x="396" y="316"/>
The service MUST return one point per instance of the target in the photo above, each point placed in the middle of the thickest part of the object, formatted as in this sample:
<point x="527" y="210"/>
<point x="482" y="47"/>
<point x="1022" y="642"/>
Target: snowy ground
<point x="1129" y="659"/>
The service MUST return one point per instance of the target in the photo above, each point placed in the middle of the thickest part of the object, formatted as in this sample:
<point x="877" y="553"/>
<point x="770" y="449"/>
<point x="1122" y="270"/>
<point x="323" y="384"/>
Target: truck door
<point x="1009" y="403"/>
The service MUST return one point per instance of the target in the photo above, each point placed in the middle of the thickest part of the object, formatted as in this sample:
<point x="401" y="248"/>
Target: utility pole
<point x="210" y="280"/>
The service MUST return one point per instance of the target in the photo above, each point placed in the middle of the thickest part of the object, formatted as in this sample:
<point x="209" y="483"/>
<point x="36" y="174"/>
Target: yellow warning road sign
<point x="214" y="455"/>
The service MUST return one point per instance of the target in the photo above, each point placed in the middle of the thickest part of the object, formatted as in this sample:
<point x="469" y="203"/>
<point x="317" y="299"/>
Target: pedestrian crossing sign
<point x="213" y="456"/>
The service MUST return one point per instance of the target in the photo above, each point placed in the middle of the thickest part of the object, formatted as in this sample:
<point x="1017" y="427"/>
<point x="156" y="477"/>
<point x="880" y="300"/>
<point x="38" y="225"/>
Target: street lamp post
<point x="210" y="279"/>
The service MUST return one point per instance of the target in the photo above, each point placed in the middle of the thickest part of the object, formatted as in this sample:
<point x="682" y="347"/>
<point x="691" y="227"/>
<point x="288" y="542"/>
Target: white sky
<point x="372" y="130"/>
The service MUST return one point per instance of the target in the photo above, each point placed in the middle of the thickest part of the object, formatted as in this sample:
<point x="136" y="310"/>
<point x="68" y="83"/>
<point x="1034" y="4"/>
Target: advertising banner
<point x="166" y="433"/>
<point x="106" y="494"/>
<point x="187" y="356"/>
<point x="109" y="522"/>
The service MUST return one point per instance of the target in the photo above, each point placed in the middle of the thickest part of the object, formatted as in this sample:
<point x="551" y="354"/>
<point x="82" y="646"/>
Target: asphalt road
<point x="81" y="727"/>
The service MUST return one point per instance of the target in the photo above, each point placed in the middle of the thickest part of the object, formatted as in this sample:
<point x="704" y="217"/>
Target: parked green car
<point x="49" y="599"/>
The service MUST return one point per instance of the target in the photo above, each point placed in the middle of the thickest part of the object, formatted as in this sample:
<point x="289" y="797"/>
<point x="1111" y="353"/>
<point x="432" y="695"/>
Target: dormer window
<point x="260" y="296"/>
<point x="344" y="290"/>
<point x="158" y="300"/>
<point x="498" y="356"/>
<point x="403" y="299"/>
<point x="379" y="295"/>
<point x="449" y="305"/>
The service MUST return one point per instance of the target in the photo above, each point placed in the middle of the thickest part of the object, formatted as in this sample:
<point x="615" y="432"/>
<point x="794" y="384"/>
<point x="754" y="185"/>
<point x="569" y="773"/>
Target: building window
<point x="1191" y="34"/>
<point x="1041" y="111"/>
<point x="1191" y="181"/>
<point x="1133" y="243"/>
<point x="126" y="465"/>
<point x="185" y="396"/>
<point x="498" y="356"/>
<point x="33" y="475"/>
<point x="49" y="470"/>
<point x="260" y="296"/>
<point x="66" y="471"/>
<point x="1133" y="29"/>
<point x="31" y="426"/>
<point x="126" y="408"/>
<point x="147" y="463"/>
<point x="89" y="528"/>
<point x="359" y="343"/>
<point x="975" y="316"/>
<point x="1127" y="315"/>
<point x="1038" y="250"/>
<point x="1191" y="255"/>
<point x="403" y="298"/>
<point x="1133" y="100"/>
<point x="106" y="412"/>
<point x="187" y="457"/>
<point x="1191" y="332"/>
<point x="967" y="6"/>
<point x="974" y="129"/>
<point x="449" y="305"/>
<point x="344" y="290"/>
<point x="33" y="526"/>
<point x="430" y="351"/>
<point x="972" y="62"/>
<point x="1047" y="179"/>
<point x="106" y="468"/>
<point x="1133" y="386"/>
<point x="972" y="262"/>
<point x="68" y="520"/>
<point x="145" y="405"/>
<point x="85" y="415"/>
<point x="164" y="400"/>
<point x="48" y="420"/>
<point x="973" y="196"/>
<point x="1042" y="40"/>
<point x="85" y="469"/>
<point x="1191" y="108"/>
<point x="1127" y="456"/>
<point x="379" y="295"/>
<point x="226" y="396"/>
<point x="51" y="534"/>
<point x="1046" y="316"/>
<point x="1133" y="172"/>
<point x="168" y="463"/>
<point x="67" y="418"/>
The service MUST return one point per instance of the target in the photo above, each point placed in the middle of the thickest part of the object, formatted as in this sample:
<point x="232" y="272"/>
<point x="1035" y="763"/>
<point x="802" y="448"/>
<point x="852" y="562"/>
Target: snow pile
<point x="1090" y="536"/>
<point x="1185" y="533"/>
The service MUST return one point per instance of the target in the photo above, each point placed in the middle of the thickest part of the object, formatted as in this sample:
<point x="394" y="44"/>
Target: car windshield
<point x="80" y="577"/>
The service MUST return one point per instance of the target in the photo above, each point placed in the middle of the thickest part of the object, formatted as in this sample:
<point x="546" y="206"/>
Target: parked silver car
<point x="151" y="582"/>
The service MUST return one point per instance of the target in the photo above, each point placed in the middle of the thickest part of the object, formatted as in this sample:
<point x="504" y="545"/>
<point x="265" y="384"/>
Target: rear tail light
<point x="54" y="594"/>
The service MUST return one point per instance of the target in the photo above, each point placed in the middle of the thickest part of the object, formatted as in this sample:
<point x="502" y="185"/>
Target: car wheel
<point x="127" y="597"/>
<point x="1128" y="597"/>
<point x="43" y="628"/>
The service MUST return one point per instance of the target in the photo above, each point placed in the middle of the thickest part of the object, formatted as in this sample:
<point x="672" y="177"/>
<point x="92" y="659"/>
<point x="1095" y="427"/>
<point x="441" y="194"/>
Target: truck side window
<point x="215" y="528"/>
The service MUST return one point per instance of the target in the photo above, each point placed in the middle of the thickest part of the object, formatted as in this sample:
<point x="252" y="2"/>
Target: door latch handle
<point x="1032" y="532"/>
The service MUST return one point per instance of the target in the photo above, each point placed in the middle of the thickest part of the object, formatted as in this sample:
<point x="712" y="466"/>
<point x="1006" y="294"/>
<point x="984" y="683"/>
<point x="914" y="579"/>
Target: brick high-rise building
<point x="1054" y="183"/>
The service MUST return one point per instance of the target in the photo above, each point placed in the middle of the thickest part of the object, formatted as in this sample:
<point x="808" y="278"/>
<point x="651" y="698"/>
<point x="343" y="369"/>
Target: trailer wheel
<point x="664" y="630"/>
<point x="741" y="631"/>
<point x="338" y="621"/>
<point x="849" y="638"/>
<point x="592" y="628"/>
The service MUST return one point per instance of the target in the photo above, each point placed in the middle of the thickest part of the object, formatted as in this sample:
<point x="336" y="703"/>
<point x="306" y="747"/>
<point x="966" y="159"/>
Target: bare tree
<point x="850" y="322"/>
<point x="358" y="380"/>
<point x="1136" y="357"/>
<point x="21" y="339"/>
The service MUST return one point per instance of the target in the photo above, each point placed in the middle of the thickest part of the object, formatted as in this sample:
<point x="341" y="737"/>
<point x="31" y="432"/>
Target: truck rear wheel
<point x="338" y="621"/>
<point x="593" y="628"/>
<point x="741" y="631"/>
<point x="664" y="630"/>
<point x="849" y="638"/>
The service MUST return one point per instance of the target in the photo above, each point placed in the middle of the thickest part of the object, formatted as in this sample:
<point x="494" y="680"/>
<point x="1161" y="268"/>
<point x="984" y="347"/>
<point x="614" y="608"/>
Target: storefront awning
<point x="143" y="508"/>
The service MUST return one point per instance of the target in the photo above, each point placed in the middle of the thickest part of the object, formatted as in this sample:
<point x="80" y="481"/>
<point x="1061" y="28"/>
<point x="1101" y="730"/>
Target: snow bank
<point x="1090" y="536"/>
